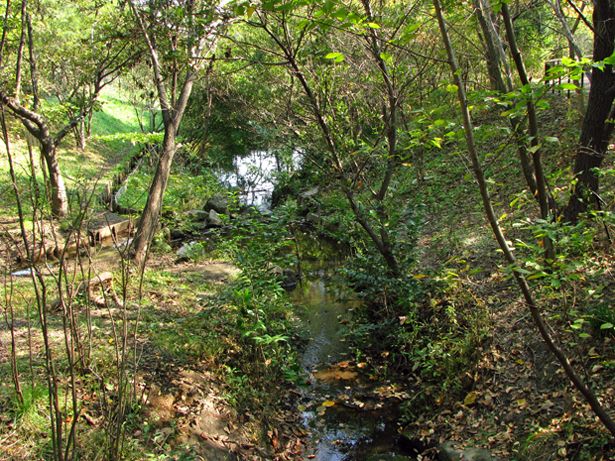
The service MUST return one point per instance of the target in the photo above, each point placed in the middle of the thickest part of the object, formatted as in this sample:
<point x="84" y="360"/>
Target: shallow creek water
<point x="350" y="414"/>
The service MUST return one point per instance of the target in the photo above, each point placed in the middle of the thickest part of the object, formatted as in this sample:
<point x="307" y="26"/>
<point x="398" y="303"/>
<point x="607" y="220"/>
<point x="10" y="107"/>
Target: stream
<point x="350" y="413"/>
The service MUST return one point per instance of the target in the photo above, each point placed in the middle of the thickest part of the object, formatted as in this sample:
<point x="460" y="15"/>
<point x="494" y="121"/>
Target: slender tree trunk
<point x="541" y="182"/>
<point x="492" y="53"/>
<point x="33" y="68"/>
<point x="496" y="60"/>
<point x="151" y="212"/>
<point x="22" y="42"/>
<point x="59" y="199"/>
<point x="596" y="132"/>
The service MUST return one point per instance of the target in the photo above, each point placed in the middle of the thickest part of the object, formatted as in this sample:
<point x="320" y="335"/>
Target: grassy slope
<point x="82" y="170"/>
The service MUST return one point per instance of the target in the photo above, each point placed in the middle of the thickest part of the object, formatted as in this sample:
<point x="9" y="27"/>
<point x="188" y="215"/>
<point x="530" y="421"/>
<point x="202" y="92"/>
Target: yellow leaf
<point x="470" y="399"/>
<point x="301" y="407"/>
<point x="521" y="402"/>
<point x="251" y="11"/>
<point x="420" y="276"/>
<point x="328" y="403"/>
<point x="520" y="362"/>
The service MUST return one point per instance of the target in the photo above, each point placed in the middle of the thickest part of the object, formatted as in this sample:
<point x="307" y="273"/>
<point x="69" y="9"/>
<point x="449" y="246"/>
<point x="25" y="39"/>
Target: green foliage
<point x="259" y="246"/>
<point x="184" y="191"/>
<point x="385" y="294"/>
<point x="570" y="241"/>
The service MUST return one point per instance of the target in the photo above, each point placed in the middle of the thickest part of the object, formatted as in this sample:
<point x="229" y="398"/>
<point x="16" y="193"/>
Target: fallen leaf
<point x="521" y="402"/>
<point x="470" y="399"/>
<point x="592" y="352"/>
<point x="328" y="403"/>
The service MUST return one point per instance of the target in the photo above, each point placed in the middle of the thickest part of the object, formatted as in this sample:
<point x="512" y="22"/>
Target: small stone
<point x="448" y="452"/>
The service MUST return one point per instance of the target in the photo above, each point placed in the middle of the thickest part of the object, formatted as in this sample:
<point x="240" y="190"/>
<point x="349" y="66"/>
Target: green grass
<point x="117" y="115"/>
<point x="85" y="172"/>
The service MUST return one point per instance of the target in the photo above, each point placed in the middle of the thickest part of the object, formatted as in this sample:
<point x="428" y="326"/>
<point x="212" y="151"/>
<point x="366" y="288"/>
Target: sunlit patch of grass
<point x="183" y="192"/>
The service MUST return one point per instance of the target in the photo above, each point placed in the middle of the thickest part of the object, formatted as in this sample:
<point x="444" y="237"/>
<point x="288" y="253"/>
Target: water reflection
<point x="342" y="408"/>
<point x="254" y="176"/>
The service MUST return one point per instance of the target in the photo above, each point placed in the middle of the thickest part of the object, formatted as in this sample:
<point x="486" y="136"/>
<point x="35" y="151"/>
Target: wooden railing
<point x="582" y="83"/>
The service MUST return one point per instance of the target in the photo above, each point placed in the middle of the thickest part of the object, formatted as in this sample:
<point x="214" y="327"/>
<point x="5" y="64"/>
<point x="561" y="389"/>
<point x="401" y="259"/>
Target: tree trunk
<point x="492" y="54"/>
<point x="595" y="134"/>
<point x="59" y="199"/>
<point x="153" y="207"/>
<point x="496" y="60"/>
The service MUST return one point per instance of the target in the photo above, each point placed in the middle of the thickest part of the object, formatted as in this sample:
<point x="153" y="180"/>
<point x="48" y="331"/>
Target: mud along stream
<point x="349" y="410"/>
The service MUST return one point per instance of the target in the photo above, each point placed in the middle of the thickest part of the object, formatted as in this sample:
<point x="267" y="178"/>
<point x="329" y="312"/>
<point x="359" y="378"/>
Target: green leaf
<point x="606" y="326"/>
<point x="610" y="60"/>
<point x="551" y="139"/>
<point x="566" y="86"/>
<point x="584" y="335"/>
<point x="337" y="57"/>
<point x="373" y="25"/>
<point x="341" y="14"/>
<point x="386" y="57"/>
<point x="467" y="177"/>
<point x="452" y="88"/>
<point x="534" y="149"/>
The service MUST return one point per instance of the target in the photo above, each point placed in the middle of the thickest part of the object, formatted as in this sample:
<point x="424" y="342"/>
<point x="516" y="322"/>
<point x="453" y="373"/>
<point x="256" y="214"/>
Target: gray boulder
<point x="200" y="226"/>
<point x="214" y="219"/>
<point x="177" y="234"/>
<point x="198" y="215"/>
<point x="289" y="279"/>
<point x="314" y="219"/>
<point x="219" y="203"/>
<point x="448" y="452"/>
